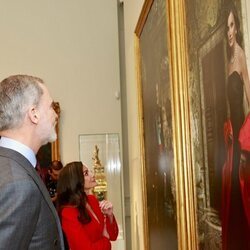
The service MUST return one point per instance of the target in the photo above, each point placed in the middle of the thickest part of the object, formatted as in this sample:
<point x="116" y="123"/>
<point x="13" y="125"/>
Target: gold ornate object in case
<point x="100" y="191"/>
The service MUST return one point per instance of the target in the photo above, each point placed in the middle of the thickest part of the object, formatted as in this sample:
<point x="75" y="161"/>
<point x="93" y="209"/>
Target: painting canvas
<point x="218" y="92"/>
<point x="156" y="119"/>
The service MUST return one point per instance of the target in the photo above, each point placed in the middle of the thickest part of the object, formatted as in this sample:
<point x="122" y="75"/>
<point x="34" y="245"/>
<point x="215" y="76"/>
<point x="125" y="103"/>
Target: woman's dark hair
<point x="232" y="9"/>
<point x="70" y="190"/>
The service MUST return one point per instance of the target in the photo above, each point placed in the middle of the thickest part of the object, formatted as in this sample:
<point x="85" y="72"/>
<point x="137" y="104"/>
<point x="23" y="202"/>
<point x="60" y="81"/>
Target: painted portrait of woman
<point x="235" y="203"/>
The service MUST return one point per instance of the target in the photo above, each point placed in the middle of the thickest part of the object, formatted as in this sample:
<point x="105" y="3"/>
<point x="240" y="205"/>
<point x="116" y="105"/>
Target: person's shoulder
<point x="92" y="200"/>
<point x="69" y="207"/>
<point x="28" y="192"/>
<point x="242" y="55"/>
<point x="69" y="210"/>
<point x="11" y="171"/>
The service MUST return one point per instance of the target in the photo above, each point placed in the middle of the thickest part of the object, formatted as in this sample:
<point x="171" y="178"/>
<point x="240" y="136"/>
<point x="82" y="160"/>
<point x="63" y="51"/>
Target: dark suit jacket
<point x="28" y="219"/>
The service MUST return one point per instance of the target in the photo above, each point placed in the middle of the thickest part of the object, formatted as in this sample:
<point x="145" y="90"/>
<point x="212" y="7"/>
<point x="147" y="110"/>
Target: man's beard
<point x="51" y="137"/>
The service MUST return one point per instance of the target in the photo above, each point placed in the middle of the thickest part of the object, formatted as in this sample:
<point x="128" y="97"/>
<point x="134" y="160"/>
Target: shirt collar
<point x="20" y="148"/>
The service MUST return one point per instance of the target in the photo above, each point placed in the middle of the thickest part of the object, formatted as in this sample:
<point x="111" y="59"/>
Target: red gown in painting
<point x="235" y="180"/>
<point x="88" y="236"/>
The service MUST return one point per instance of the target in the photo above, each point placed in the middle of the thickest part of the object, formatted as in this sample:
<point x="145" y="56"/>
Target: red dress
<point x="235" y="189"/>
<point x="243" y="226"/>
<point x="88" y="236"/>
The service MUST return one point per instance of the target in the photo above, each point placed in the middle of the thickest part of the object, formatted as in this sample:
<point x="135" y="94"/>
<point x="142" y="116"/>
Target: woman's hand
<point x="107" y="209"/>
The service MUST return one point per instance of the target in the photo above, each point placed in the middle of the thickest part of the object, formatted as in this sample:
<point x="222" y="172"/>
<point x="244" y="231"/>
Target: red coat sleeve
<point x="112" y="229"/>
<point x="78" y="235"/>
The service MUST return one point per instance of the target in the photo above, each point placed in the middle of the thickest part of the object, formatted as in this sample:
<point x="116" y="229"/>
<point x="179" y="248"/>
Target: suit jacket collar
<point x="23" y="149"/>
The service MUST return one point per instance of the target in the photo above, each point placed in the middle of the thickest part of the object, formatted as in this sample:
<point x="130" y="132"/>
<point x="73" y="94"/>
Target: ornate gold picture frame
<point x="167" y="173"/>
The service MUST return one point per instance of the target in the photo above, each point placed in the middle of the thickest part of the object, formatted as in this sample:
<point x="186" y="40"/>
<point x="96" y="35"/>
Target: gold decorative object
<point x="100" y="191"/>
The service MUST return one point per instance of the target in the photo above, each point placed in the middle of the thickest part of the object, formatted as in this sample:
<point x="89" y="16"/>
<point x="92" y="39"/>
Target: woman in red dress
<point x="236" y="185"/>
<point x="87" y="223"/>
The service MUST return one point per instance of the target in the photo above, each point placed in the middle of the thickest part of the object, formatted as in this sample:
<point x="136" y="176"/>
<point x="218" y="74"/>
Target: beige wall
<point x="132" y="9"/>
<point x="73" y="46"/>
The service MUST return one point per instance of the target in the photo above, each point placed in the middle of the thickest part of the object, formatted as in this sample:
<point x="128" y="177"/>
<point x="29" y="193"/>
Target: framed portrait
<point x="218" y="94"/>
<point x="166" y="168"/>
<point x="194" y="96"/>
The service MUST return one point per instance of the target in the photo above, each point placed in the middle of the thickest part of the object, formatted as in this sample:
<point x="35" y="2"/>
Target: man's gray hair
<point x="17" y="94"/>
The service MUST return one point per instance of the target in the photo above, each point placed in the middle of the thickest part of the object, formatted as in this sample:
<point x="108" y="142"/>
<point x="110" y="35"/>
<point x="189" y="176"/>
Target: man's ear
<point x="33" y="115"/>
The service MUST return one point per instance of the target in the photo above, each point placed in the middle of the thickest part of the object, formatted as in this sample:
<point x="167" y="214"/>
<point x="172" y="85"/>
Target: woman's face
<point x="89" y="179"/>
<point x="231" y="30"/>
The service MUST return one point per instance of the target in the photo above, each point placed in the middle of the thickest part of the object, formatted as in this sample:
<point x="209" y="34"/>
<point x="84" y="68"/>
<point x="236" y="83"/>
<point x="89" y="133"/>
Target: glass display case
<point x="104" y="149"/>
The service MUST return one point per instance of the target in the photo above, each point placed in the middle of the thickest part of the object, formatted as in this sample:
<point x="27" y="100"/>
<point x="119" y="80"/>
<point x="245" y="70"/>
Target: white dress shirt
<point x="20" y="148"/>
